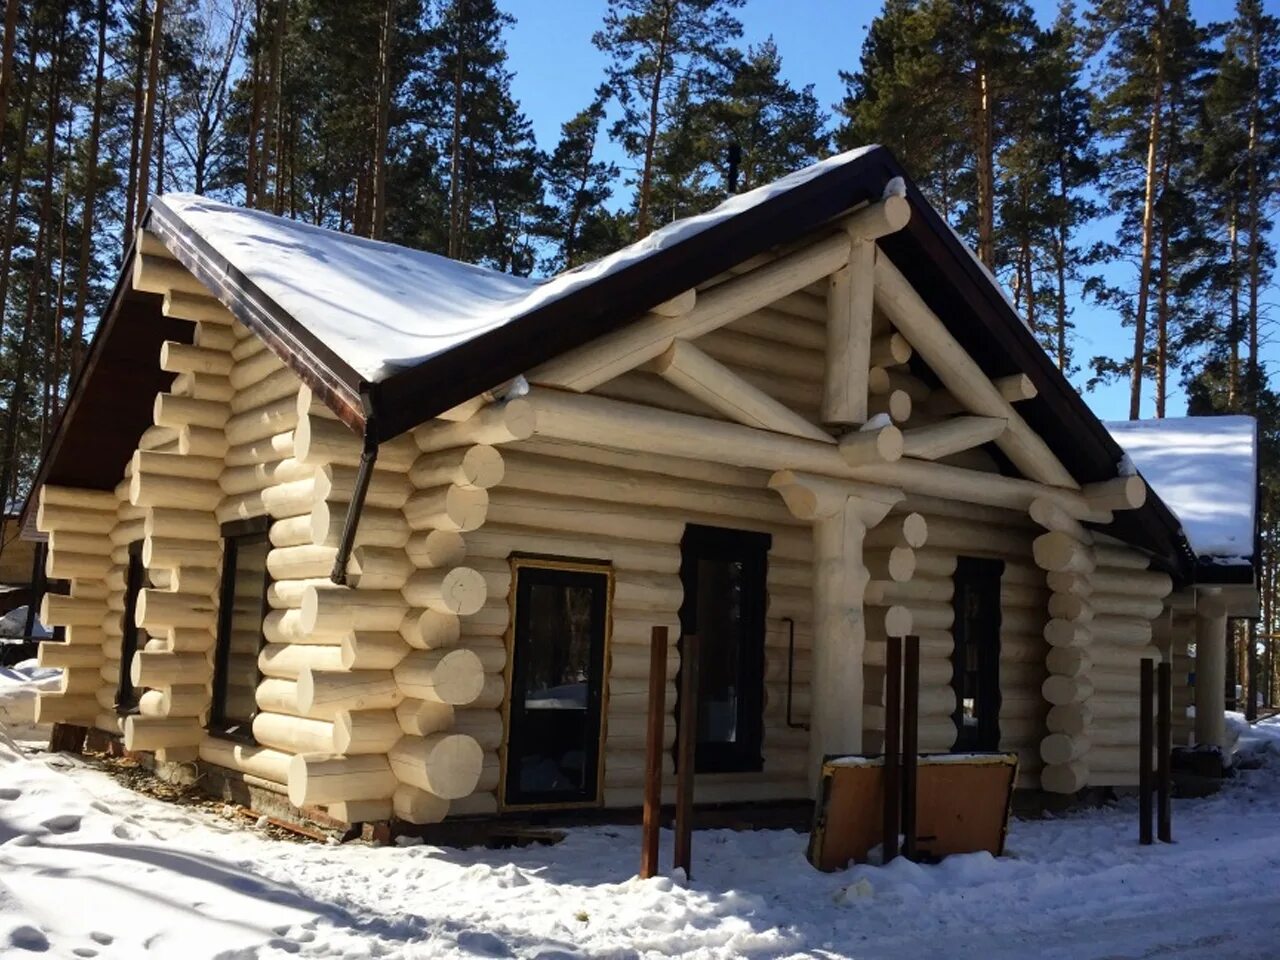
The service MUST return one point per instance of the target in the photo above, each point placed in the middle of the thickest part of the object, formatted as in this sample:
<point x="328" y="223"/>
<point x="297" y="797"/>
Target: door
<point x="976" y="656"/>
<point x="555" y="709"/>
<point x="724" y="573"/>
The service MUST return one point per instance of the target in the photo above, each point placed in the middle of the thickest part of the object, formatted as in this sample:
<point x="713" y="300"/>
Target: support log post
<point x="892" y="744"/>
<point x="910" y="741"/>
<point x="653" y="753"/>
<point x="685" y="753"/>
<point x="1146" y="687"/>
<point x="1164" y="756"/>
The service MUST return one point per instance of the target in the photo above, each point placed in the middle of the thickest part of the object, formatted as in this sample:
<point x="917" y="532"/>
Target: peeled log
<point x="418" y="806"/>
<point x="1061" y="553"/>
<point x="422" y="717"/>
<point x="1059" y="690"/>
<point x="378" y="568"/>
<point x="365" y="731"/>
<point x="325" y="692"/>
<point x="496" y="423"/>
<point x="445" y="764"/>
<point x="320" y="778"/>
<point x="430" y="630"/>
<point x="436" y="548"/>
<point x="54" y="708"/>
<point x="1062" y="748"/>
<point x="340" y="611"/>
<point x="459" y="591"/>
<point x="447" y="508"/>
<point x="361" y="811"/>
<point x="365" y="650"/>
<point x="1064" y="777"/>
<point x="479" y="467"/>
<point x="165" y="669"/>
<point x="152" y="733"/>
<point x="293" y="734"/>
<point x="452" y="676"/>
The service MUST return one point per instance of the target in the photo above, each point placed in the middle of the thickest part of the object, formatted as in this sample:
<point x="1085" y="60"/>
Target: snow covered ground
<point x="91" y="868"/>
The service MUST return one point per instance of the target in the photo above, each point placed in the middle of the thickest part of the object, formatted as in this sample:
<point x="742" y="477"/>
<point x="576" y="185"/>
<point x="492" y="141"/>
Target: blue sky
<point x="557" y="68"/>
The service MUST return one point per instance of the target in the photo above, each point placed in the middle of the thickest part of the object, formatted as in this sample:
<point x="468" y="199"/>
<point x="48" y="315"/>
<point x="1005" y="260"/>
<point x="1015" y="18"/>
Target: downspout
<point x="368" y="457"/>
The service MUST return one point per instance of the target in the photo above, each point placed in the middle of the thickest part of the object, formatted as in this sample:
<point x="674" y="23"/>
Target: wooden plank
<point x="686" y="743"/>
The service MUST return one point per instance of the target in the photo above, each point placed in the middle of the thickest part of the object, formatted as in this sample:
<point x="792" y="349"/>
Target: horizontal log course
<point x="53" y="707"/>
<point x="378" y="527"/>
<point x="185" y="700"/>
<point x="178" y="357"/>
<point x="287" y="660"/>
<point x="1059" y="748"/>
<point x="479" y="467"/>
<point x="171" y="553"/>
<point x="361" y="811"/>
<point x="338" y="483"/>
<point x="779" y="326"/>
<point x="189" y="525"/>
<point x="367" y="650"/>
<point x="250" y="369"/>
<point x="422" y="717"/>
<point x="65" y="565"/>
<point x="418" y="806"/>
<point x="170" y="410"/>
<point x="437" y="548"/>
<point x="152" y="733"/>
<point x="492" y="695"/>
<point x="461" y="590"/>
<point x="320" y="441"/>
<point x="292" y="499"/>
<point x="60" y="611"/>
<point x="447" y="508"/>
<point x="79" y="681"/>
<point x="378" y="568"/>
<point x="63" y="655"/>
<point x="71" y="519"/>
<point x="492" y="651"/>
<point x="329" y="610"/>
<point x="278" y="446"/>
<point x="1115" y="555"/>
<point x="445" y="764"/>
<point x="321" y="778"/>
<point x="430" y="629"/>
<point x="202" y="442"/>
<point x="158" y="610"/>
<point x="365" y="731"/>
<point x="277" y="695"/>
<point x="325" y="692"/>
<point x="1064" y="777"/>
<point x="81" y="498"/>
<point x="301" y="562"/>
<point x="164" y="669"/>
<point x="293" y="734"/>
<point x="1121" y="605"/>
<point x="1066" y="606"/>
<point x="72" y="541"/>
<point x="453" y="676"/>
<point x="278" y="385"/>
<point x="161" y="490"/>
<point x="1127" y="631"/>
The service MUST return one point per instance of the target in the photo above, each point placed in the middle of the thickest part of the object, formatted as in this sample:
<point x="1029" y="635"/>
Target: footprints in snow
<point x="62" y="823"/>
<point x="10" y="793"/>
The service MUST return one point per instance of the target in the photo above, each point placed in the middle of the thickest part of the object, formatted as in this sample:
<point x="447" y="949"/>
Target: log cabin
<point x="387" y="534"/>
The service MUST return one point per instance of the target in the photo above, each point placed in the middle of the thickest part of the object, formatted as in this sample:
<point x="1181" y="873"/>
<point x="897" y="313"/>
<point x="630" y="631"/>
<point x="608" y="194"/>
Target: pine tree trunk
<point x="53" y="382"/>
<point x="651" y="134"/>
<point x="90" y="199"/>
<point x="255" y="112"/>
<point x="454" y="245"/>
<point x="272" y="106"/>
<point x="35" y="284"/>
<point x="160" y="138"/>
<point x="6" y="67"/>
<point x="1255" y="226"/>
<point x="135" y="126"/>
<point x="15" y="185"/>
<point x="277" y="148"/>
<point x="1233" y="368"/>
<point x="381" y="132"/>
<point x="985" y="123"/>
<point x="149" y="110"/>
<point x="1148" y="215"/>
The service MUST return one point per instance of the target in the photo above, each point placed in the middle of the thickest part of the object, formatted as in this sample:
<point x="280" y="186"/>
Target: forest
<point x="395" y="119"/>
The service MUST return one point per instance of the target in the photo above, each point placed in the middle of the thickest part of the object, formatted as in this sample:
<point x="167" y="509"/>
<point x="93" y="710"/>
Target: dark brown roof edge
<point x="333" y="380"/>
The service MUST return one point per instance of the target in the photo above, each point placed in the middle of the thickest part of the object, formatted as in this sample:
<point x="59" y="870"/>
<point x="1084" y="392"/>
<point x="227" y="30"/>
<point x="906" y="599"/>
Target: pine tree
<point x="665" y="57"/>
<point x="573" y="218"/>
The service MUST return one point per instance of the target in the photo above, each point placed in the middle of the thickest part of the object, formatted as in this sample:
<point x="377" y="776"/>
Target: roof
<point x="1206" y="470"/>
<point x="390" y="337"/>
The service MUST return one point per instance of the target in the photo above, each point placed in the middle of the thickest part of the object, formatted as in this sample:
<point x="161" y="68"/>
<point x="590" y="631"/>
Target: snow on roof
<point x="1205" y="469"/>
<point x="383" y="307"/>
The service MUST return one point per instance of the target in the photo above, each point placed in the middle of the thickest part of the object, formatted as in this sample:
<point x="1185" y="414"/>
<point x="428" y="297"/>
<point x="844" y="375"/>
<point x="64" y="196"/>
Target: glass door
<point x="557" y="684"/>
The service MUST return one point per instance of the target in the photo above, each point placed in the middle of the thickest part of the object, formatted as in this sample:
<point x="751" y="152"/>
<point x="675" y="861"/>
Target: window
<point x="723" y="572"/>
<point x="132" y="636"/>
<point x="975" y="673"/>
<point x="557" y="683"/>
<point x="242" y="605"/>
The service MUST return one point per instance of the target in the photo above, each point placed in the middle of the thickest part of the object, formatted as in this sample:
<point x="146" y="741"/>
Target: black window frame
<point x="127" y="695"/>
<point x="530" y="572"/>
<point x="751" y="548"/>
<point x="234" y="535"/>
<point x="977" y="573"/>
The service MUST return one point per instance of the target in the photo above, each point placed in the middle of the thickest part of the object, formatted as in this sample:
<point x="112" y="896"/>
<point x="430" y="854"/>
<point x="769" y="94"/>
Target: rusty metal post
<point x="910" y="742"/>
<point x="1164" y="755"/>
<point x="686" y="742"/>
<point x="892" y="746"/>
<point x="1146" y="738"/>
<point x="653" y="754"/>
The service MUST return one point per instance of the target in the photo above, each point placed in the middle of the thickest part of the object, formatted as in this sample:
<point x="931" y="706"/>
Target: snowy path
<point x="90" y="868"/>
